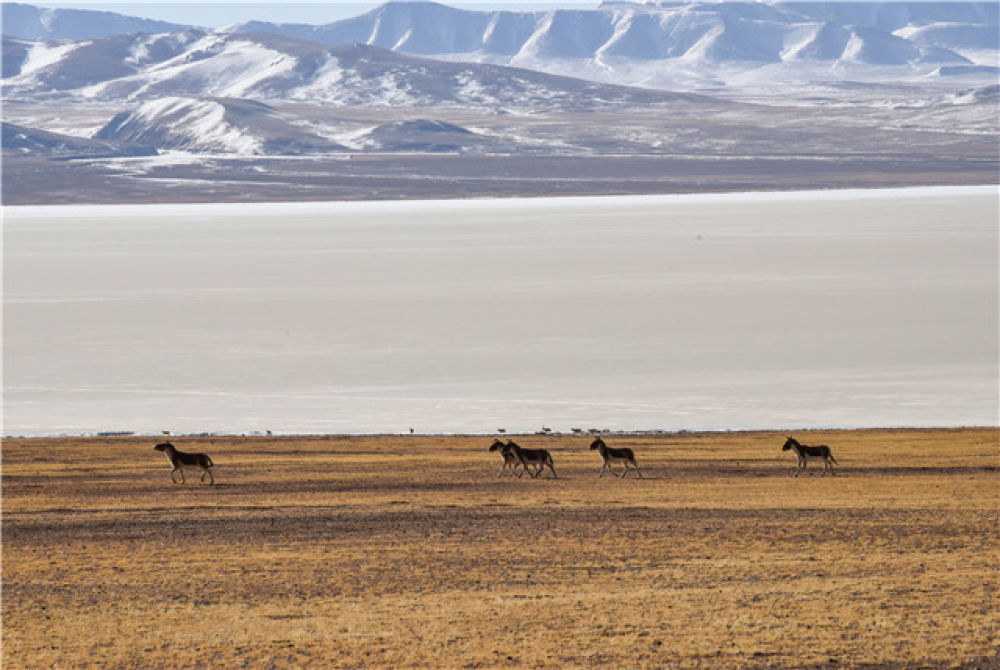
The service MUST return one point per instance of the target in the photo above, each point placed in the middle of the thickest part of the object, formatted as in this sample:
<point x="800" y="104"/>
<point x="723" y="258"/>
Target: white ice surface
<point x="856" y="308"/>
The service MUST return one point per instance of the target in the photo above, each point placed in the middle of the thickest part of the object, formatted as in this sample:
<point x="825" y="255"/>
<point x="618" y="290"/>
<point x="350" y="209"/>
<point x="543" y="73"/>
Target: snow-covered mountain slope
<point x="241" y="127"/>
<point x="676" y="44"/>
<point x="50" y="24"/>
<point x="213" y="126"/>
<point x="270" y="67"/>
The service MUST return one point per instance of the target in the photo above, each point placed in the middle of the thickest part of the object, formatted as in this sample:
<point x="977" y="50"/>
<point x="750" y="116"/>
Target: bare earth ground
<point x="405" y="551"/>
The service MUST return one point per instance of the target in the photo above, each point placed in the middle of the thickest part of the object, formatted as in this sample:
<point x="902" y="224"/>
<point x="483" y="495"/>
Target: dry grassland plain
<point x="408" y="551"/>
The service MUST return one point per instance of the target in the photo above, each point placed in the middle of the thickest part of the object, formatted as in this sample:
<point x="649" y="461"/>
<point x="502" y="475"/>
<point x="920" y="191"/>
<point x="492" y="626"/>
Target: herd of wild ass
<point x="532" y="461"/>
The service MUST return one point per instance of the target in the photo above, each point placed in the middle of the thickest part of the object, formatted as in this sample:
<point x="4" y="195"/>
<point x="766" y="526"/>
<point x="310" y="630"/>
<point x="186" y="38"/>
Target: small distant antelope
<point x="537" y="457"/>
<point x="610" y="456"/>
<point x="803" y="452"/>
<point x="180" y="460"/>
<point x="509" y="459"/>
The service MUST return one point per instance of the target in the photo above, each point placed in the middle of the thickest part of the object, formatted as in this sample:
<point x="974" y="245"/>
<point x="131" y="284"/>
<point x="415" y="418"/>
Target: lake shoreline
<point x="555" y="435"/>
<point x="124" y="209"/>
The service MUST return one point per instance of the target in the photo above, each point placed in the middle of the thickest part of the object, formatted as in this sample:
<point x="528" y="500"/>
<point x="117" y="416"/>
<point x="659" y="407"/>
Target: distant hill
<point x="35" y="23"/>
<point x="19" y="140"/>
<point x="264" y="67"/>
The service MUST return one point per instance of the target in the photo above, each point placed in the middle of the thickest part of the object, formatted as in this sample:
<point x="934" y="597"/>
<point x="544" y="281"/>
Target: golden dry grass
<point x="409" y="552"/>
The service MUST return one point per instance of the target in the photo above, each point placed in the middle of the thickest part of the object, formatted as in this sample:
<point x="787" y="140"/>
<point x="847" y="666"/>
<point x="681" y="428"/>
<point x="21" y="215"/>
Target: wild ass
<point x="610" y="456"/>
<point x="803" y="452"/>
<point x="180" y="460"/>
<point x="509" y="459"/>
<point x="537" y="457"/>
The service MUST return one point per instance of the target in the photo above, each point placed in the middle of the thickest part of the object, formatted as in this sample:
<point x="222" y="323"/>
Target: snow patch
<point x="40" y="56"/>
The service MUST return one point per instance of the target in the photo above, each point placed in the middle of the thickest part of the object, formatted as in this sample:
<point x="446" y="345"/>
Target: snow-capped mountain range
<point x="857" y="32"/>
<point x="679" y="45"/>
<point x="660" y="44"/>
<point x="243" y="90"/>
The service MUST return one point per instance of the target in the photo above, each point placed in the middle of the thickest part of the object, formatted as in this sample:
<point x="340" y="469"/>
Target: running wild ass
<point x="540" y="458"/>
<point x="803" y="452"/>
<point x="610" y="456"/>
<point x="180" y="460"/>
<point x="508" y="457"/>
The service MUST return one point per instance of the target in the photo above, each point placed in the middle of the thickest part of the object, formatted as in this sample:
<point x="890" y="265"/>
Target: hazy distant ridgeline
<point x="49" y="24"/>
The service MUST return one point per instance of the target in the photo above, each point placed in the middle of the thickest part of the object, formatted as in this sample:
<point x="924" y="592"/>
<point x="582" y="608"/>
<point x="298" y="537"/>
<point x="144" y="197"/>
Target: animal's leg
<point x="181" y="470"/>
<point x="172" y="475"/>
<point x="554" y="475"/>
<point x="603" y="466"/>
<point x="635" y="466"/>
<point x="211" y="477"/>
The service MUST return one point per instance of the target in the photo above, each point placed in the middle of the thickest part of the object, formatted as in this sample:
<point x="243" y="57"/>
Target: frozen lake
<point x="851" y="308"/>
